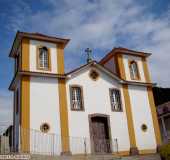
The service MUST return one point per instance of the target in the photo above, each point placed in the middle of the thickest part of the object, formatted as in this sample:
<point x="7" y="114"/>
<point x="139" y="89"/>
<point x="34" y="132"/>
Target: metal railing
<point x="37" y="142"/>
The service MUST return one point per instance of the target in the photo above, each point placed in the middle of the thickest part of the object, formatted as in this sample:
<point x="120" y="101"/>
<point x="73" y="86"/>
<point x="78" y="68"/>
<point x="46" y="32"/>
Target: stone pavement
<point x="101" y="157"/>
<point x="146" y="157"/>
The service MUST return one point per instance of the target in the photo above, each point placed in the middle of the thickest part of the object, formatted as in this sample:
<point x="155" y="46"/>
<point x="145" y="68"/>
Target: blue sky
<point x="98" y="24"/>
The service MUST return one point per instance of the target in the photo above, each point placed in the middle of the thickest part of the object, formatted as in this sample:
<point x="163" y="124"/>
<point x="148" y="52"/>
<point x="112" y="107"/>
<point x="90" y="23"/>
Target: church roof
<point x="104" y="69"/>
<point x="122" y="50"/>
<point x="36" y="36"/>
<point x="95" y="64"/>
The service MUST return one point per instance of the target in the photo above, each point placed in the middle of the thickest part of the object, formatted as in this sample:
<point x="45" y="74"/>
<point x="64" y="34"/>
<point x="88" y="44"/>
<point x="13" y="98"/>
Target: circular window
<point x="144" y="127"/>
<point x="94" y="75"/>
<point x="45" y="128"/>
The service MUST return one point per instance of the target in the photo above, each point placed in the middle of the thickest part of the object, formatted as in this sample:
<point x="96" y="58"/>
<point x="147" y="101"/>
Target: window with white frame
<point x="76" y="98"/>
<point x="134" y="73"/>
<point x="43" y="58"/>
<point x="115" y="99"/>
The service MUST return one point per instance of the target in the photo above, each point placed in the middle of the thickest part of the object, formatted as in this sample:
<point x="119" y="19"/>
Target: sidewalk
<point x="146" y="157"/>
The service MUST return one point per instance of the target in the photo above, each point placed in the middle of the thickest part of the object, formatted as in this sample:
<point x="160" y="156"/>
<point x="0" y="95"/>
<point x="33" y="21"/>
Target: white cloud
<point x="102" y="25"/>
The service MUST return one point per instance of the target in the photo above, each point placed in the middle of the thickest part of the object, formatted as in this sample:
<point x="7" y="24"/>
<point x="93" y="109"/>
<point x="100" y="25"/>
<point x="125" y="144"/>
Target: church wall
<point x="142" y="115"/>
<point x="33" y="55"/>
<point x="44" y="108"/>
<point x="126" y="59"/>
<point x="96" y="100"/>
<point x="17" y="117"/>
<point x="110" y="64"/>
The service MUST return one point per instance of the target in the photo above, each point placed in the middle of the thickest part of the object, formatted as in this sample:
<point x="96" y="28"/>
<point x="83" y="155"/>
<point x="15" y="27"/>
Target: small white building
<point x="100" y="107"/>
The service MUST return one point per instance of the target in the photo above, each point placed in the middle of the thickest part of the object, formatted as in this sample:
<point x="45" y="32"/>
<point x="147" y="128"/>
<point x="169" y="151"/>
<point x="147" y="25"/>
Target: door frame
<point x="90" y="116"/>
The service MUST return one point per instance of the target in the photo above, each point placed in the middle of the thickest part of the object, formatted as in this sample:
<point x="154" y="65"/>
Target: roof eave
<point x="35" y="74"/>
<point x="44" y="38"/>
<point x="95" y="64"/>
<point x="120" y="50"/>
<point x="121" y="81"/>
<point x="41" y="74"/>
<point x="138" y="83"/>
<point x="11" y="53"/>
<point x="40" y="37"/>
<point x="134" y="52"/>
<point x="13" y="82"/>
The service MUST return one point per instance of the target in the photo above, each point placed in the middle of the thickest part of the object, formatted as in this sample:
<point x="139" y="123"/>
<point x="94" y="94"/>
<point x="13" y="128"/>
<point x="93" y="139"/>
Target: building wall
<point x="110" y="64"/>
<point x="142" y="115"/>
<point x="96" y="100"/>
<point x="126" y="59"/>
<point x="17" y="117"/>
<point x="33" y="55"/>
<point x="44" y="107"/>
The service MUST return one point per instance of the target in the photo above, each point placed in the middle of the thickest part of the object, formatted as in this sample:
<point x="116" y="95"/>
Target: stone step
<point x="82" y="157"/>
<point x="144" y="157"/>
<point x="95" y="157"/>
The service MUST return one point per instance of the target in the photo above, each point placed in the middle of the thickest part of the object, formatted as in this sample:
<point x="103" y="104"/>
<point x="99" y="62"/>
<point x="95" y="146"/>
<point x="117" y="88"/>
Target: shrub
<point x="165" y="152"/>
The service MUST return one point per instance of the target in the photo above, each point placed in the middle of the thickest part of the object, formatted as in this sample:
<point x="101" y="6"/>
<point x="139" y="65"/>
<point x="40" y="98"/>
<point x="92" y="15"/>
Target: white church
<point x="100" y="107"/>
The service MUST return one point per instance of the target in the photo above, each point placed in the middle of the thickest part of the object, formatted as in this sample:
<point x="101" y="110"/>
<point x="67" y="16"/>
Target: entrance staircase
<point x="78" y="157"/>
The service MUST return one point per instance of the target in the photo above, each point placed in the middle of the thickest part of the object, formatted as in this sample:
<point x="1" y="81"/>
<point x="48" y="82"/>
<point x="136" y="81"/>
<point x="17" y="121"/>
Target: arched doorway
<point x="100" y="133"/>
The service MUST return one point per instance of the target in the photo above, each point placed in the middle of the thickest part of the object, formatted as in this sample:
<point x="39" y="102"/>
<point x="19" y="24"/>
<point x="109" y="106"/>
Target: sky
<point x="97" y="24"/>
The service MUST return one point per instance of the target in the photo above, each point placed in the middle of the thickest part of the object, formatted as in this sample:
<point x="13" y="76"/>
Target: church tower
<point x="38" y="86"/>
<point x="128" y="64"/>
<point x="132" y="67"/>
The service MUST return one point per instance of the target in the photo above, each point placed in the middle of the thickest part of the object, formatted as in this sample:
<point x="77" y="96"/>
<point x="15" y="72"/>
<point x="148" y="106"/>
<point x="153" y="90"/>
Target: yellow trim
<point x="49" y="59"/>
<point x="147" y="151"/>
<point x="25" y="113"/>
<point x="120" y="66"/>
<point x="25" y="98"/>
<point x="63" y="116"/>
<point x="154" y="117"/>
<point x="60" y="58"/>
<point x="25" y="55"/>
<point x="146" y="71"/>
<point x="63" y="101"/>
<point x="129" y="116"/>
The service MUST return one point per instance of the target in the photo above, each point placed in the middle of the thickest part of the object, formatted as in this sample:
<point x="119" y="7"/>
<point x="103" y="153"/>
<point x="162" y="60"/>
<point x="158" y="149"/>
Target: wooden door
<point x="100" y="135"/>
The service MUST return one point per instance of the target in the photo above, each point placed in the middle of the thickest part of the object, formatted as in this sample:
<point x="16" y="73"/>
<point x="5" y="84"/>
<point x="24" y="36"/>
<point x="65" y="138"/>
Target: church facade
<point x="99" y="105"/>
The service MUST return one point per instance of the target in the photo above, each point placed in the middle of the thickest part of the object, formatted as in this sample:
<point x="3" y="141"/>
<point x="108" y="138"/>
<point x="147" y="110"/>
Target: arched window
<point x="134" y="73"/>
<point x="43" y="58"/>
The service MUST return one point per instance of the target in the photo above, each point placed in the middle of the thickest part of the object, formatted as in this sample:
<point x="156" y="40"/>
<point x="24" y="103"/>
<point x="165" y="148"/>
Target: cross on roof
<point x="88" y="51"/>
